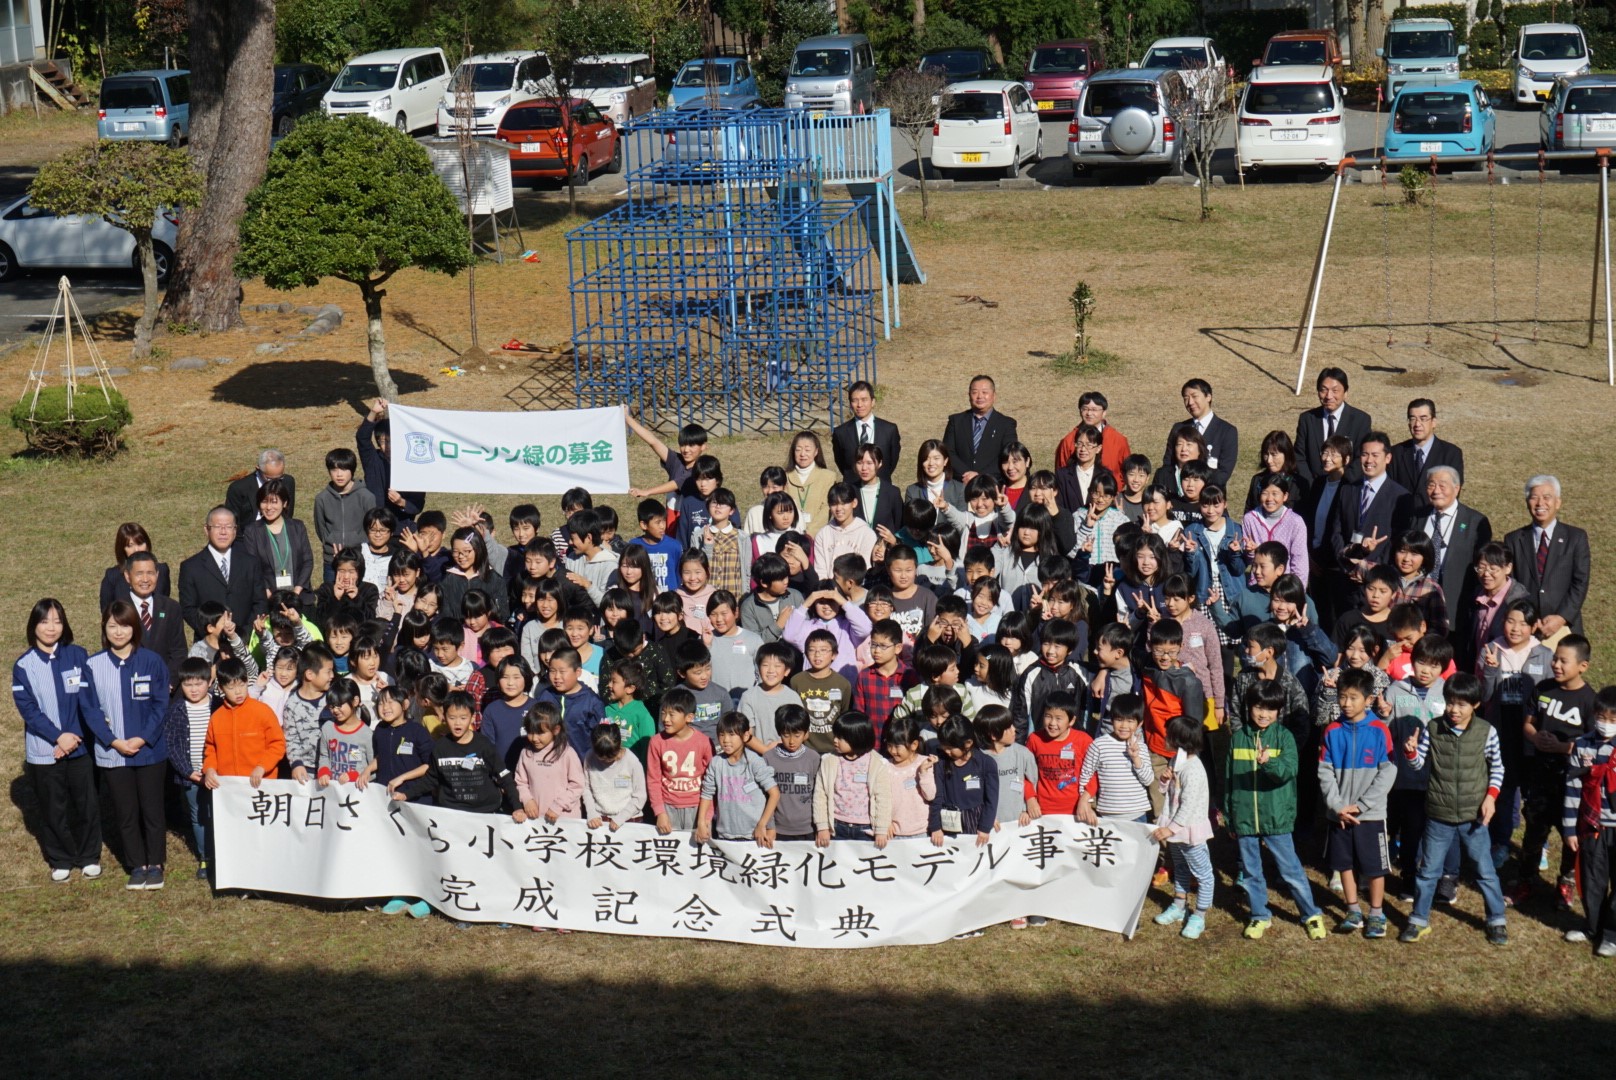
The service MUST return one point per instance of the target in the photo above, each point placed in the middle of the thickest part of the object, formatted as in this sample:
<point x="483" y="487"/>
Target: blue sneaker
<point x="1194" y="927"/>
<point x="395" y="907"/>
<point x="1173" y="915"/>
<point x="1352" y="923"/>
<point x="1375" y="926"/>
<point x="420" y="909"/>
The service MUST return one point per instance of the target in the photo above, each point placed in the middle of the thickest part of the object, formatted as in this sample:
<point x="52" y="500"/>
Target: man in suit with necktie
<point x="1422" y="450"/>
<point x="162" y="624"/>
<point x="222" y="572"/>
<point x="1457" y="532"/>
<point x="1368" y="514"/>
<point x="974" y="438"/>
<point x="1333" y="417"/>
<point x="1551" y="560"/>
<point x="1221" y="437"/>
<point x="864" y="429"/>
<point x="242" y="495"/>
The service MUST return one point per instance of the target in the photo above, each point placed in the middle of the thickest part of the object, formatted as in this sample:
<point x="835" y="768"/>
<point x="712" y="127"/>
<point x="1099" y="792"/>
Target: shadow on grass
<point x="543" y="207"/>
<point x="307" y="384"/>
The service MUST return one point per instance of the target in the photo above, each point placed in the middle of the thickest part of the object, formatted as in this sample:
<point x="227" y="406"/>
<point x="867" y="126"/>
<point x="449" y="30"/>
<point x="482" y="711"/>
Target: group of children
<point x="792" y="673"/>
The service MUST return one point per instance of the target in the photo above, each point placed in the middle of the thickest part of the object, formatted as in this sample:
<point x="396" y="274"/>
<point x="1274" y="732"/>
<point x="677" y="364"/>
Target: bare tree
<point x="914" y="98"/>
<point x="1201" y="102"/>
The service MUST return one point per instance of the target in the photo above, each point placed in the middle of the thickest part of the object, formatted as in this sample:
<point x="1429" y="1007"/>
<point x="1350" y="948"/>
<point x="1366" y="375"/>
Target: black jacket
<point x="1441" y="453"/>
<point x="379" y="475"/>
<point x="844" y="444"/>
<point x="470" y="776"/>
<point x="1355" y="424"/>
<point x="242" y="498"/>
<point x="201" y="581"/>
<point x="962" y="459"/>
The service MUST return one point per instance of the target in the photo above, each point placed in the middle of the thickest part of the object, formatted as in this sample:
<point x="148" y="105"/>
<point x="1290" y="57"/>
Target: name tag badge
<point x="1196" y="641"/>
<point x="835" y="694"/>
<point x="283" y="580"/>
<point x="72" y="680"/>
<point x="973" y="783"/>
<point x="623" y="782"/>
<point x="1535" y="670"/>
<point x="406" y="747"/>
<point x="951" y="821"/>
<point x="140" y="688"/>
<point x="896" y="693"/>
<point x="1357" y="538"/>
<point x="1211" y="462"/>
<point x="799" y="778"/>
<point x="740" y="647"/>
<point x="1069" y="752"/>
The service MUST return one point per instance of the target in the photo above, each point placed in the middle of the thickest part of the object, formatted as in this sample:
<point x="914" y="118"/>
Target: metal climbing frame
<point x="728" y="290"/>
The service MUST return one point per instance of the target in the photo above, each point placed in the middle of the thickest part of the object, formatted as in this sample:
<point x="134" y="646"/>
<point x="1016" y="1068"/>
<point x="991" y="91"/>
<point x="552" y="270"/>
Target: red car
<point x="1057" y="70"/>
<point x="538" y="133"/>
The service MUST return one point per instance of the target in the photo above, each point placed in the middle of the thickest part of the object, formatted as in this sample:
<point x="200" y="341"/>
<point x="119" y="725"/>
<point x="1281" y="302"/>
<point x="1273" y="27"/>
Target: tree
<point x="1201" y="102"/>
<point x="914" y="98"/>
<point x="571" y="31"/>
<point x="353" y="199"/>
<point x="129" y="184"/>
<point x="232" y="55"/>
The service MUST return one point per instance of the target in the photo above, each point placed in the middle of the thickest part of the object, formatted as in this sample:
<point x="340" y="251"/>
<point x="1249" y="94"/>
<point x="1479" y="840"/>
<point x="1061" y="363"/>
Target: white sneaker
<point x="60" y="876"/>
<point x="1576" y="937"/>
<point x="91" y="872"/>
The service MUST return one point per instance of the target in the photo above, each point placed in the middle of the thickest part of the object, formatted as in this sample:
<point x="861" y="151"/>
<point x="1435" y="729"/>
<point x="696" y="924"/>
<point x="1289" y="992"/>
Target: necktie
<point x="979" y="424"/>
<point x="224" y="570"/>
<point x="1329" y="425"/>
<point x="1542" y="554"/>
<point x="145" y="615"/>
<point x="1439" y="535"/>
<point x="1419" y="461"/>
<point x="1364" y="499"/>
<point x="865" y="437"/>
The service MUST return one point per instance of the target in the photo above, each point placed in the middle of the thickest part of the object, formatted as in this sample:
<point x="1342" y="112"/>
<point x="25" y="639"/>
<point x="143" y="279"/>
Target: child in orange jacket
<point x="244" y="738"/>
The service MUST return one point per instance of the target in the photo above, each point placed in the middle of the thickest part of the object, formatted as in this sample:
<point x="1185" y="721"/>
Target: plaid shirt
<point x="876" y="695"/>
<point x="1425" y="591"/>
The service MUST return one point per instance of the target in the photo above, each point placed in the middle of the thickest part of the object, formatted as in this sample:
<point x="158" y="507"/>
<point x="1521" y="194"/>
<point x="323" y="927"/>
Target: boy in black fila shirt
<point x="1561" y="713"/>
<point x="465" y="772"/>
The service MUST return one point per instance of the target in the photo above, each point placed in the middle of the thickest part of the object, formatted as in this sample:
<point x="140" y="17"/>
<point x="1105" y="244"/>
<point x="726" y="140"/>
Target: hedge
<point x="94" y="430"/>
<point x="1241" y="35"/>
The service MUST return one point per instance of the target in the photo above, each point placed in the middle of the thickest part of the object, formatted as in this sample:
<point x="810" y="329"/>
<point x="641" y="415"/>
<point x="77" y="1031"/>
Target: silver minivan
<point x="832" y="74"/>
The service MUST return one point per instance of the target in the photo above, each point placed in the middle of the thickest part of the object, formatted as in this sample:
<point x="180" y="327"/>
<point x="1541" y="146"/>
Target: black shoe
<point x="1447" y="890"/>
<point x="154" y="878"/>
<point x="137" y="879"/>
<point x="202" y="871"/>
<point x="1497" y="935"/>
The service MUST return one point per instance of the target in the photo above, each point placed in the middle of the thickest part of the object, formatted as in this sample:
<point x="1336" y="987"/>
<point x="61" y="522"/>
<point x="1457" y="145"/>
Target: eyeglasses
<point x="221" y="528"/>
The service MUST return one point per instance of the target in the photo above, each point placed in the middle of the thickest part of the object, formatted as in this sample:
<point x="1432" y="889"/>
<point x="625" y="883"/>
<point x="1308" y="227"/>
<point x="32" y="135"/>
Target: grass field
<point x="180" y="982"/>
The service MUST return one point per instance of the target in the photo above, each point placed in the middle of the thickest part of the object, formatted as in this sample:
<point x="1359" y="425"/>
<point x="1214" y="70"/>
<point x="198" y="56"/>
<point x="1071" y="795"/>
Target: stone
<point x="310" y="309"/>
<point x="188" y="363"/>
<point x="147" y="369"/>
<point x="224" y="359"/>
<point x="117" y="372"/>
<point x="267" y="348"/>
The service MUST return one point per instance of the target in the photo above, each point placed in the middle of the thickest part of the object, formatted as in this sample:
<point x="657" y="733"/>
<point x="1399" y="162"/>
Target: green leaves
<point x="353" y="199"/>
<point x="125" y="182"/>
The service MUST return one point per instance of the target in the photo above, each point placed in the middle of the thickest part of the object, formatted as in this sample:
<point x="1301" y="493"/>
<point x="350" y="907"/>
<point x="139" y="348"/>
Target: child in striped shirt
<point x="1120" y="763"/>
<point x="186" y="730"/>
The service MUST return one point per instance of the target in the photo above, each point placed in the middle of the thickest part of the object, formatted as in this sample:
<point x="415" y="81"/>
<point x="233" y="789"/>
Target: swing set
<point x="1602" y="275"/>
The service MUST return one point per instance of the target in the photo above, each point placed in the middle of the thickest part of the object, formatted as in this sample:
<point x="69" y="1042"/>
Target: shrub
<point x="94" y="430"/>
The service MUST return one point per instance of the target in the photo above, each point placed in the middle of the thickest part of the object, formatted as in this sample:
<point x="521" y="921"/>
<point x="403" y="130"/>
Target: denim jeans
<point x="844" y="831"/>
<point x="1283" y="848"/>
<point x="1476" y="841"/>
<point x="199" y="801"/>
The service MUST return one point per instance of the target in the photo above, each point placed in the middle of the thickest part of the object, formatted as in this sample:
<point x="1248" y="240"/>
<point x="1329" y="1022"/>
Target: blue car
<point x="732" y="74"/>
<point x="1442" y="119"/>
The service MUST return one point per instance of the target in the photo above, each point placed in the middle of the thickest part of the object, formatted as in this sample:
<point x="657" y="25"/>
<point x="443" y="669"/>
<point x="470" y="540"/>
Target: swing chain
<point x="1537" y="280"/>
<point x="1386" y="251"/>
<point x="1430" y="271"/>
<point x="1492" y="234"/>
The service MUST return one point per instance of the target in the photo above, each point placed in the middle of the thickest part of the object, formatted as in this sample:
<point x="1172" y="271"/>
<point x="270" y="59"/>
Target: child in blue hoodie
<point x="1355" y="776"/>
<point x="967" y="786"/>
<point x="582" y="711"/>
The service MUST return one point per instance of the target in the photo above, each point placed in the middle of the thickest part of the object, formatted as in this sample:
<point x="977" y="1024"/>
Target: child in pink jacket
<point x="549" y="776"/>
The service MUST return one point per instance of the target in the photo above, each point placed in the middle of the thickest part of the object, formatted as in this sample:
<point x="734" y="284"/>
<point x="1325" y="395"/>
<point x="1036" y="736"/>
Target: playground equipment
<point x="1602" y="275"/>
<point x="729" y="290"/>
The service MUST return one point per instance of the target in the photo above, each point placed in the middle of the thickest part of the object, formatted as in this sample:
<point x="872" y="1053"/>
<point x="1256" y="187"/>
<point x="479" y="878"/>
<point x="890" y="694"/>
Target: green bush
<point x="1485" y="51"/>
<point x="94" y="430"/>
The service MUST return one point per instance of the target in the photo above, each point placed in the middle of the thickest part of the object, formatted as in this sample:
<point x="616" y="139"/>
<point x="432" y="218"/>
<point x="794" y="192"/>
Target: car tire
<point x="402" y="122"/>
<point x="8" y="264"/>
<point x="616" y="164"/>
<point x="176" y="137"/>
<point x="580" y="172"/>
<point x="163" y="255"/>
<point x="1038" y="149"/>
<point x="1013" y="170"/>
<point x="284" y="124"/>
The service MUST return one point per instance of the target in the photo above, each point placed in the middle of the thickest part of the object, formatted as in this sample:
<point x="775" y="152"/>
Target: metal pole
<point x="1306" y="333"/>
<point x="1604" y="241"/>
<point x="1599" y="244"/>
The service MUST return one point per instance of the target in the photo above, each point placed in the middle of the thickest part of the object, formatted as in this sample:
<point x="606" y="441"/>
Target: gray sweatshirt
<point x="339" y="517"/>
<point x="759" y="707"/>
<point x="739" y="791"/>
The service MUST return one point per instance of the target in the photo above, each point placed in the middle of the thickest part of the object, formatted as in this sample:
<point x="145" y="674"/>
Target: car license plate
<point x="1430" y="148"/>
<point x="970" y="159"/>
<point x="1541" y="95"/>
<point x="818" y="114"/>
<point x="1599" y="125"/>
<point x="1288" y="135"/>
<point x="130" y="127"/>
<point x="1045" y="106"/>
<point x="533" y="148"/>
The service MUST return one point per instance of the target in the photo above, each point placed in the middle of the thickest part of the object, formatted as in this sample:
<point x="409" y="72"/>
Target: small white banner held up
<point x="509" y="453"/>
<point x="342" y="843"/>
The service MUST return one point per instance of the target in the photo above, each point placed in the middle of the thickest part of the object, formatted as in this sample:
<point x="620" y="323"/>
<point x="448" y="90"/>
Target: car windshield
<point x="487" y="77"/>
<point x="954" y="62"/>
<point x="1591" y="99"/>
<point x="1432" y="112"/>
<point x="1419" y="44"/>
<point x="696" y="75"/>
<point x="1107" y="99"/>
<point x="356" y="78"/>
<point x="1288" y="99"/>
<point x="1177" y="56"/>
<point x="973" y="107"/>
<point x="1058" y="60"/>
<point x="829" y="62"/>
<point x="600" y="76"/>
<point x="130" y="94"/>
<point x="532" y="118"/>
<point x="1560" y="45"/>
<point x="1295" y="52"/>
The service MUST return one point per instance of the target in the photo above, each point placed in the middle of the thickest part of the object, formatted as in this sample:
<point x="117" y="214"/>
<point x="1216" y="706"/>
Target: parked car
<point x="620" y="85"/>
<point x="960" y="65"/>
<point x="396" y="86"/>
<point x="832" y="74"/>
<point x="1419" y="52"/>
<point x="1580" y="113"/>
<point x="1194" y="56"/>
<point x="1124" y="118"/>
<point x="298" y="90"/>
<point x="1545" y="52"/>
<point x="33" y="238"/>
<point x="1291" y="115"/>
<point x="1447" y="118"/>
<point x="732" y="77"/>
<point x="1302" y="48"/>
<point x="497" y="81"/>
<point x="1057" y="70"/>
<point x="696" y="151"/>
<point x="986" y="124"/>
<point x="149" y="105"/>
<point x="541" y="148"/>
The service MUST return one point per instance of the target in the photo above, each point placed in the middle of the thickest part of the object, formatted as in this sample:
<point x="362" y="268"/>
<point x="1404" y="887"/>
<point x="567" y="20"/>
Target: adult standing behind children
<point x="242" y="495"/>
<point x="374" y="439"/>
<point x="279" y="542"/>
<point x="975" y="438"/>
<point x="130" y="538"/>
<point x="1222" y="438"/>
<point x="161" y="621"/>
<point x="1332" y="417"/>
<point x="1551" y="560"/>
<point x="223" y="572"/>
<point x="864" y="429"/>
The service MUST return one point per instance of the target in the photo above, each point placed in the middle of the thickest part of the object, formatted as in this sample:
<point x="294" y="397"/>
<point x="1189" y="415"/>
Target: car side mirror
<point x="1133" y="63"/>
<point x="530" y="87"/>
<point x="1256" y="63"/>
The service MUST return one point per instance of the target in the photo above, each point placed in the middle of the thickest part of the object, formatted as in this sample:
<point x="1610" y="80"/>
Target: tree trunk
<point x="148" y="310"/>
<point x="920" y="168"/>
<point x="920" y="24"/>
<point x="374" y="337"/>
<point x="232" y="80"/>
<point x="841" y="17"/>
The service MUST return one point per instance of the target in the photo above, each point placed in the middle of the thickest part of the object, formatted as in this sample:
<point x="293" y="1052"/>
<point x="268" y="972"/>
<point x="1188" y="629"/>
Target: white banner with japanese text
<point x="342" y="843"/>
<point x="509" y="453"/>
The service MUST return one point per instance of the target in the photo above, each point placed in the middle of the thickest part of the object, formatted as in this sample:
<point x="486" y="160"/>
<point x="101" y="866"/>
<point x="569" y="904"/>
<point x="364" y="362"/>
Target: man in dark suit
<point x="242" y="495"/>
<point x="864" y="428"/>
<point x="1369" y="514"/>
<point x="877" y="501"/>
<point x="1221" y="437"/>
<point x="1457" y="532"/>
<point x="1551" y="560"/>
<point x="162" y="624"/>
<point x="221" y="572"/>
<point x="1422" y="450"/>
<point x="975" y="437"/>
<point x="1333" y="417"/>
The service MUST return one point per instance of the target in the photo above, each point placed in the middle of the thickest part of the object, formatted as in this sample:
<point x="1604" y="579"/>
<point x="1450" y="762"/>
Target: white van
<point x="621" y="85"/>
<point x="1545" y="52"/>
<point x="497" y="81"/>
<point x="401" y="87"/>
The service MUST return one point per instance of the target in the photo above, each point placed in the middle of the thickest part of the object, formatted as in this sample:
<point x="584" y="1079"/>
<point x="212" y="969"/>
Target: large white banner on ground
<point x="509" y="453"/>
<point x="342" y="843"/>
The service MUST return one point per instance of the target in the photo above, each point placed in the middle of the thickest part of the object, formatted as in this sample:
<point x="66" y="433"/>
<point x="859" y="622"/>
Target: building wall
<point x="22" y="32"/>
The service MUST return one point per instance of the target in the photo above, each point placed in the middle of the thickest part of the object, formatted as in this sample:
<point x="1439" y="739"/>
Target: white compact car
<point x="33" y="238"/>
<point x="401" y="87"/>
<point x="498" y="81"/>
<point x="1547" y="51"/>
<point x="986" y="124"/>
<point x="1291" y="115"/>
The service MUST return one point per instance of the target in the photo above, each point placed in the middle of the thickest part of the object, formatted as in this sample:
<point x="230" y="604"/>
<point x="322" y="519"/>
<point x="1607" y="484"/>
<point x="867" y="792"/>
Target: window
<point x="598" y="76"/>
<point x="1432" y="113"/>
<point x="866" y="58"/>
<point x="488" y="77"/>
<point x="179" y="90"/>
<point x="1105" y="100"/>
<point x="822" y="63"/>
<point x="1058" y="60"/>
<point x="365" y="78"/>
<point x="974" y="107"/>
<point x="1178" y="56"/>
<point x="1560" y="45"/>
<point x="642" y="70"/>
<point x="1289" y="99"/>
<point x="130" y="94"/>
<point x="538" y="68"/>
<point x="432" y="66"/>
<point x="1296" y="52"/>
<point x="532" y="118"/>
<point x="1419" y="44"/>
<point x="588" y="114"/>
<point x="1599" y="100"/>
<point x="742" y="72"/>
